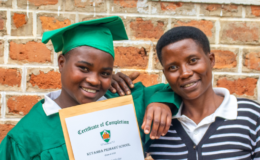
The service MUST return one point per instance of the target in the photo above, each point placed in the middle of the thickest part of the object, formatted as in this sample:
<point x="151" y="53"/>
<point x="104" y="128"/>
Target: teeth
<point x="187" y="85"/>
<point x="89" y="90"/>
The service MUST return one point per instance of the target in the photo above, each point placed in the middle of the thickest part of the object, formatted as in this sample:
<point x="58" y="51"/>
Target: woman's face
<point x="86" y="73"/>
<point x="187" y="68"/>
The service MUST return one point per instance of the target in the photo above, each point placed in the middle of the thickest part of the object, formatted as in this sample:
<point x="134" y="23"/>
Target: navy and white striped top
<point x="225" y="139"/>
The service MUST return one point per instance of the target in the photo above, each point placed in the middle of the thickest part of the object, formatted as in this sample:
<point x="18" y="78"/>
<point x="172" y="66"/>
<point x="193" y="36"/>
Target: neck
<point x="65" y="100"/>
<point x="203" y="106"/>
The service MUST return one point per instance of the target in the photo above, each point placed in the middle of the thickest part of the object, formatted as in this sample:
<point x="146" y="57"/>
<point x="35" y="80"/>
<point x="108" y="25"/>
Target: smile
<point x="89" y="90"/>
<point x="190" y="84"/>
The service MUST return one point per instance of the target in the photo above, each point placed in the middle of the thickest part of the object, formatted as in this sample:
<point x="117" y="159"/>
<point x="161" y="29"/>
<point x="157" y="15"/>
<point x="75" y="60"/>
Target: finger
<point x="112" y="89"/>
<point x="148" y="121"/>
<point x="168" y="125"/>
<point x="143" y="122"/>
<point x="162" y="125"/>
<point x="118" y="89"/>
<point x="156" y="123"/>
<point x="134" y="75"/>
<point x="122" y="84"/>
<point x="124" y="81"/>
<point x="127" y="79"/>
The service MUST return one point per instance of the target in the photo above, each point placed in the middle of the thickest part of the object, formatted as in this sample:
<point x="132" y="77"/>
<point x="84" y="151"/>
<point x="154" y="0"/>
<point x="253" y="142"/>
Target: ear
<point x="212" y="59"/>
<point x="61" y="62"/>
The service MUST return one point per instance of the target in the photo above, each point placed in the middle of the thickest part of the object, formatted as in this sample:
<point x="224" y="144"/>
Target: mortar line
<point x="240" y="60"/>
<point x="163" y="78"/>
<point x="14" y="4"/>
<point x="6" y="51"/>
<point x="217" y="34"/>
<point x="8" y="22"/>
<point x="197" y="10"/>
<point x="24" y="77"/>
<point x="3" y="105"/>
<point x="243" y="12"/>
<point x="108" y="7"/>
<point x="34" y="24"/>
<point x="150" y="57"/>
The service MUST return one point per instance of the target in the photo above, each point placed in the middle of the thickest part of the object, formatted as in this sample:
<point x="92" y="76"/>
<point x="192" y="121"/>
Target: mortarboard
<point x="97" y="33"/>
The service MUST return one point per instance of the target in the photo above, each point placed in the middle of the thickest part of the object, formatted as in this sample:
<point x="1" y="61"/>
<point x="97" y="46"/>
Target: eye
<point x="106" y="74"/>
<point x="193" y="60"/>
<point x="85" y="69"/>
<point x="173" y="68"/>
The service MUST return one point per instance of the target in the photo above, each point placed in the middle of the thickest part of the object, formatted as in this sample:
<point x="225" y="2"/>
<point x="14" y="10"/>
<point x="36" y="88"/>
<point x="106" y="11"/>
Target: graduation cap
<point x="97" y="33"/>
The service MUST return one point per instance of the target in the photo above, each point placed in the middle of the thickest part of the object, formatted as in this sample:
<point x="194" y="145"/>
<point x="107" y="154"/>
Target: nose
<point x="186" y="72"/>
<point x="93" y="79"/>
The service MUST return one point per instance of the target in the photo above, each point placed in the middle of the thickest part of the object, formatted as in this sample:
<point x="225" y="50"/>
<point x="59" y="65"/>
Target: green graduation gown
<point x="40" y="137"/>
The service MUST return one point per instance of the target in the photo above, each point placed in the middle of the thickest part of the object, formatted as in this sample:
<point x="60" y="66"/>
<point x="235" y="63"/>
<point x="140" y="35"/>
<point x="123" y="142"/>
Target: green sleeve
<point x="10" y="150"/>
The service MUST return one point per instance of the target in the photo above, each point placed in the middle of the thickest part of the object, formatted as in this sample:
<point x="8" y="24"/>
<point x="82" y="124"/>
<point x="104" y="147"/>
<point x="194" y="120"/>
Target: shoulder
<point x="36" y="130"/>
<point x="248" y="104"/>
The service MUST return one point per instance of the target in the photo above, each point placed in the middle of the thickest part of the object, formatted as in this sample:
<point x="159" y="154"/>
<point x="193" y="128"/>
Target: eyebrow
<point x="91" y="64"/>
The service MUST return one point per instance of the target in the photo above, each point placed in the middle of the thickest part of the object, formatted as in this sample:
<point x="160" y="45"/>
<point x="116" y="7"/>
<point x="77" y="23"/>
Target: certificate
<point x="104" y="130"/>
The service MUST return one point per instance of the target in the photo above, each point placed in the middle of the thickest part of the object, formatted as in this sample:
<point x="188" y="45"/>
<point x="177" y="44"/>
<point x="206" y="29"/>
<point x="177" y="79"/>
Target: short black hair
<point x="181" y="33"/>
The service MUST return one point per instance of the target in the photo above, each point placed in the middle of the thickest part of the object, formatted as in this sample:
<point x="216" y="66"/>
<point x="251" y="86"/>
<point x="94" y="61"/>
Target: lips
<point x="189" y="84"/>
<point x="87" y="92"/>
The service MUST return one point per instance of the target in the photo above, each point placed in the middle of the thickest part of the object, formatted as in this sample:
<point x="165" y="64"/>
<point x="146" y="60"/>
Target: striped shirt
<point x="225" y="139"/>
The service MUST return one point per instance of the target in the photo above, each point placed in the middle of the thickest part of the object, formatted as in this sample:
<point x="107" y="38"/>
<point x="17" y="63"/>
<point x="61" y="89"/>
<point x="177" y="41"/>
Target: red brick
<point x="126" y="3"/>
<point x="43" y="2"/>
<point x="86" y="5"/>
<point x="224" y="59"/>
<point x="213" y="7"/>
<point x="10" y="77"/>
<point x="245" y="86"/>
<point x="170" y="5"/>
<point x="131" y="57"/>
<point x="6" y="3"/>
<point x="83" y="4"/>
<point x="50" y="80"/>
<point x="50" y="23"/>
<point x="21" y="104"/>
<point x="19" y="20"/>
<point x="205" y="26"/>
<point x="147" y="79"/>
<point x="225" y="10"/>
<point x="252" y="60"/>
<point x="240" y="32"/>
<point x="147" y="29"/>
<point x="30" y="52"/>
<point x="4" y="129"/>
<point x="3" y="23"/>
<point x="173" y="8"/>
<point x="255" y="10"/>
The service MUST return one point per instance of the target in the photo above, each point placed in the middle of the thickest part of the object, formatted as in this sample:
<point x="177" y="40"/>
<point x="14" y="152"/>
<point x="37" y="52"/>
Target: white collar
<point x="227" y="109"/>
<point x="50" y="107"/>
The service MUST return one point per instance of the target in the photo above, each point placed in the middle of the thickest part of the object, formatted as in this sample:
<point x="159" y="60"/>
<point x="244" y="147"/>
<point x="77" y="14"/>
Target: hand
<point x="121" y="83"/>
<point x="161" y="116"/>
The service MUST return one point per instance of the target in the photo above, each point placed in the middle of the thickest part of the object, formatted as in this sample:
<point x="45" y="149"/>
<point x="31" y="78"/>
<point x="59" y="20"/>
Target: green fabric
<point x="40" y="137"/>
<point x="97" y="33"/>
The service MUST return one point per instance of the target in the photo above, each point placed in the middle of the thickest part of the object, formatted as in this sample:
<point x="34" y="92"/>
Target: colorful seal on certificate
<point x="105" y="135"/>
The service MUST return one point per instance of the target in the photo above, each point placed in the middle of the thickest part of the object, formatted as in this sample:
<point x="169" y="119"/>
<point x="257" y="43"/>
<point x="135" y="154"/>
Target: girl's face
<point x="187" y="68"/>
<point x="86" y="73"/>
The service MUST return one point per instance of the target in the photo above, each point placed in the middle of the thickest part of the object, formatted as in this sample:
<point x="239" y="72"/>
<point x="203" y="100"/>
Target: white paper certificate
<point x="110" y="134"/>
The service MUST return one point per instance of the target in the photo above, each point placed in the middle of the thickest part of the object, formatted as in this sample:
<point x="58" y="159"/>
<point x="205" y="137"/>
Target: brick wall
<point x="28" y="68"/>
